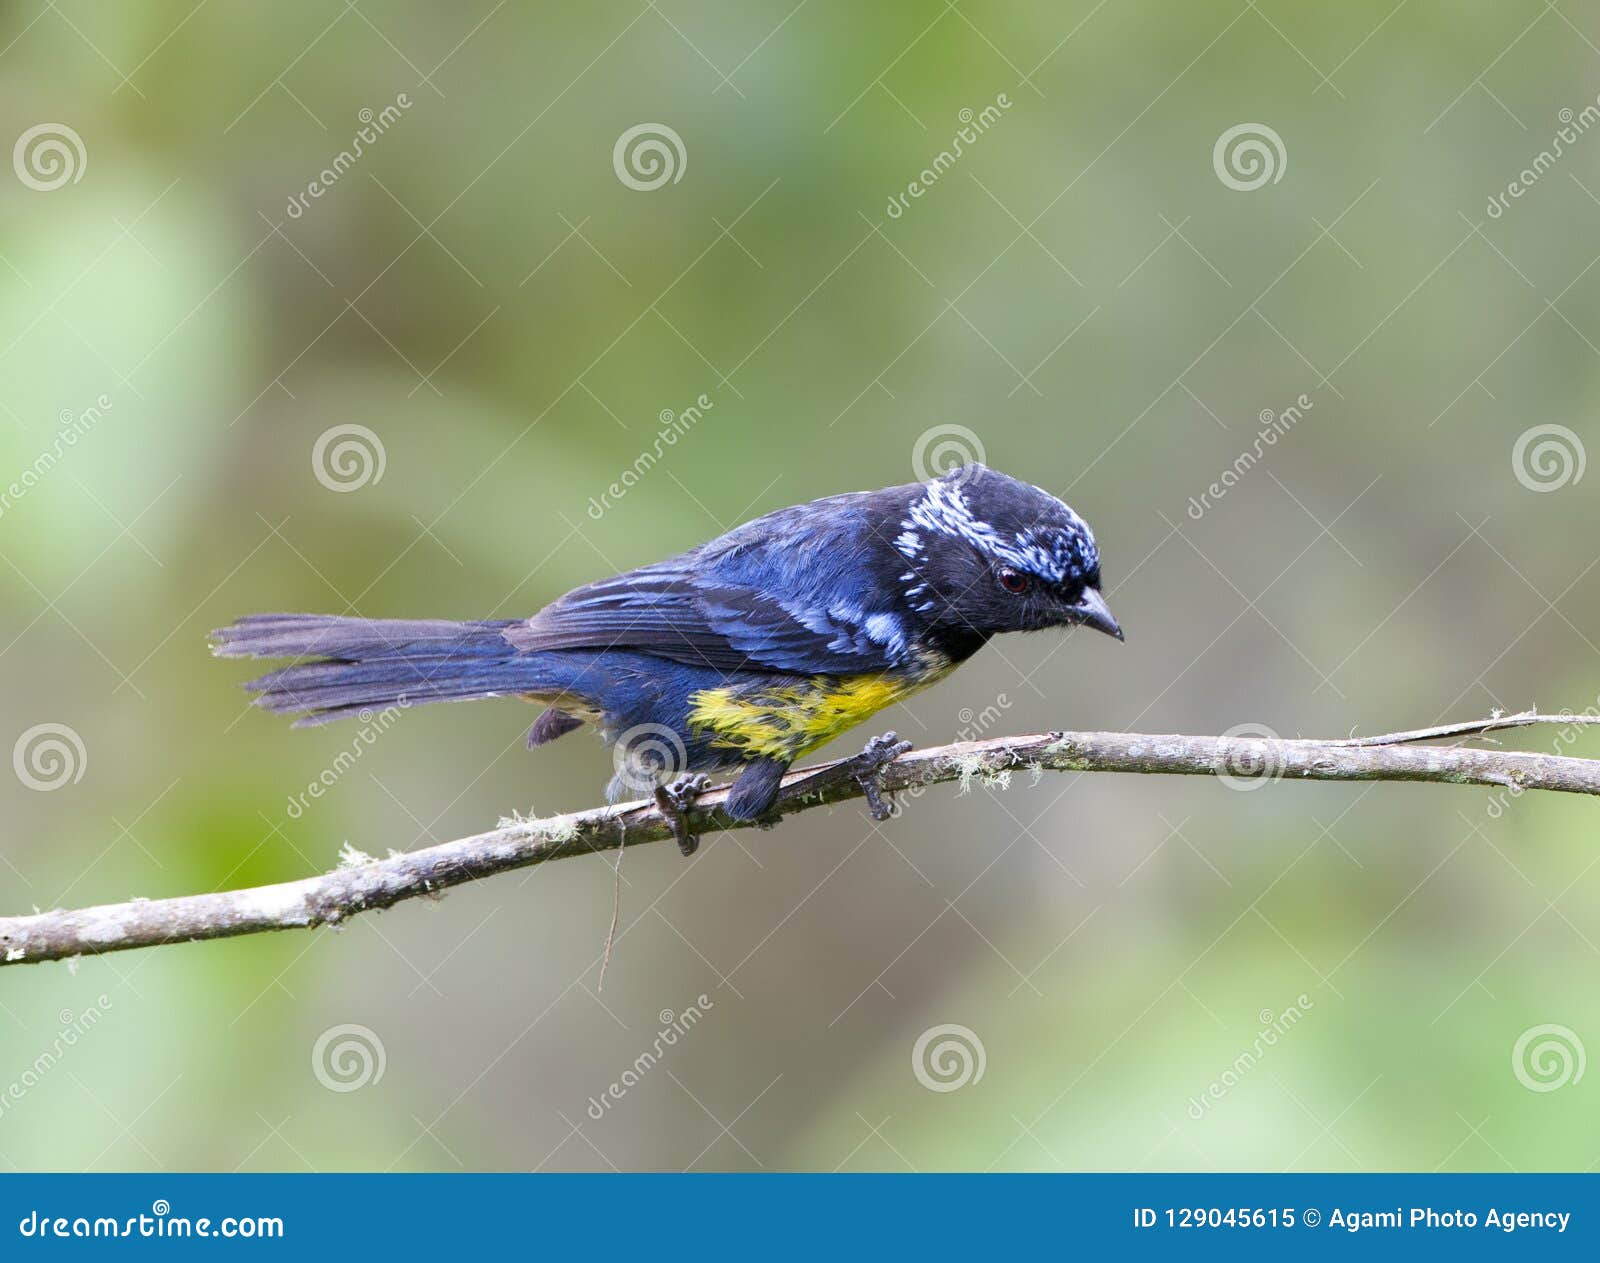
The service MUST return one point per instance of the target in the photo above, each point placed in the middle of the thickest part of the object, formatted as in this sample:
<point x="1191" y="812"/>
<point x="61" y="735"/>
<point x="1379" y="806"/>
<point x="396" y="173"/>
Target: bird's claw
<point x="866" y="769"/>
<point x="675" y="801"/>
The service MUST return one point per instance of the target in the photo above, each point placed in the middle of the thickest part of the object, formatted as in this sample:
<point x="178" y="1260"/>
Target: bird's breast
<point x="785" y="721"/>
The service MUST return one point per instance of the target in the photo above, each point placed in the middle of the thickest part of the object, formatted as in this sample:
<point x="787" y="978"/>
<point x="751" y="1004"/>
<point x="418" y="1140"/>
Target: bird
<point x="740" y="655"/>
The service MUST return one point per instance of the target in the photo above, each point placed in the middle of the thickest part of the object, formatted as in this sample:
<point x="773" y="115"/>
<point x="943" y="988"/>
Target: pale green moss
<point x="559" y="829"/>
<point x="967" y="766"/>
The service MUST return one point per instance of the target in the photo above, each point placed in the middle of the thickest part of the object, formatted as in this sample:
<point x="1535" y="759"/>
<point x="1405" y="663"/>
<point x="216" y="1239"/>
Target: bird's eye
<point x="1014" y="581"/>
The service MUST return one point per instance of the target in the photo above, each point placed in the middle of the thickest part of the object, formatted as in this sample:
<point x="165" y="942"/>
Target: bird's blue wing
<point x="807" y="590"/>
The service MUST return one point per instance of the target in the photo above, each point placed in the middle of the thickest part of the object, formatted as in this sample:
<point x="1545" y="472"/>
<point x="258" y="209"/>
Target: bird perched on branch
<point x="740" y="655"/>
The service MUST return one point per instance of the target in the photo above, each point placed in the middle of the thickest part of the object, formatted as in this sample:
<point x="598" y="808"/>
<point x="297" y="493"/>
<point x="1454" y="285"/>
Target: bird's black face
<point x="991" y="554"/>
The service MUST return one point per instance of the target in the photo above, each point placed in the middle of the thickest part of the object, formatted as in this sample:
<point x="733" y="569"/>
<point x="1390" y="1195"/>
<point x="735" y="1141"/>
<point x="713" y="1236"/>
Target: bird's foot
<point x="866" y="769"/>
<point x="675" y="801"/>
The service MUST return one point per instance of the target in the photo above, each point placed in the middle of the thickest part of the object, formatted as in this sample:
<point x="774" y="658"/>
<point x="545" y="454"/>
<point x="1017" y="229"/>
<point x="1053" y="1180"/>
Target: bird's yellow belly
<point x="789" y="721"/>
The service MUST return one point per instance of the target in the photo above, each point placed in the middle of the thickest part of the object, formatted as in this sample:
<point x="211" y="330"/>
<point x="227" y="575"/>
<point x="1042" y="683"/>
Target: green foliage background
<point x="483" y="292"/>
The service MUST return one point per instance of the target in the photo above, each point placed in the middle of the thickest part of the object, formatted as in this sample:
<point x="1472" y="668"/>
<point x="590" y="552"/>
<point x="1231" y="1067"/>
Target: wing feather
<point x="808" y="590"/>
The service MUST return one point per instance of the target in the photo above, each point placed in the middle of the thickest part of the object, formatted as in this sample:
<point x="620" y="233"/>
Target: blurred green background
<point x="1081" y="291"/>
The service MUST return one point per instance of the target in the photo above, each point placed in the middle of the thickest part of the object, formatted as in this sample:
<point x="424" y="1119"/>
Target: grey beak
<point x="1092" y="611"/>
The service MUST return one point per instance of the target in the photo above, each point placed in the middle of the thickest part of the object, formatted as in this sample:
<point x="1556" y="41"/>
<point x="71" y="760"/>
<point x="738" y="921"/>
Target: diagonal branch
<point x="1472" y="728"/>
<point x="362" y="884"/>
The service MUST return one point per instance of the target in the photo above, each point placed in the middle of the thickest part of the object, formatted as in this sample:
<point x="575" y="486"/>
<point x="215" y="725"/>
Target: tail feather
<point x="360" y="663"/>
<point x="355" y="639"/>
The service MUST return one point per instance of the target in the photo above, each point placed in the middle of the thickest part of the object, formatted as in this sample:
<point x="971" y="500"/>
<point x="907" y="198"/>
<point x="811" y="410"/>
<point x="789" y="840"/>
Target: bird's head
<point x="987" y="553"/>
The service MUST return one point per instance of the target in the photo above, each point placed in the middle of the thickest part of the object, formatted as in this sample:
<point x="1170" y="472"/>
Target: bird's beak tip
<point x="1092" y="611"/>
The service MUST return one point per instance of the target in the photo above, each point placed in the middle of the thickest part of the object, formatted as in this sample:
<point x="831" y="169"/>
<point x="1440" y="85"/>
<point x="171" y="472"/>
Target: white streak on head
<point x="908" y="543"/>
<point x="1058" y="553"/>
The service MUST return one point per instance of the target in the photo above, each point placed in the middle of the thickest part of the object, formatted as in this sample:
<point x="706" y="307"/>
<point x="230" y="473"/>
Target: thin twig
<point x="363" y="886"/>
<point x="616" y="912"/>
<point x="1472" y="728"/>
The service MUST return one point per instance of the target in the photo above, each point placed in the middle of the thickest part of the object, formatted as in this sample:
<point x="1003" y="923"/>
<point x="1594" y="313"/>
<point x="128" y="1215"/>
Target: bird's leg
<point x="675" y="801"/>
<point x="756" y="790"/>
<point x="867" y="767"/>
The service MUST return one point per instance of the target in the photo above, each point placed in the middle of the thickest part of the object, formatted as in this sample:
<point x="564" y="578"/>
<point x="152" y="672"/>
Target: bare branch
<point x="364" y="885"/>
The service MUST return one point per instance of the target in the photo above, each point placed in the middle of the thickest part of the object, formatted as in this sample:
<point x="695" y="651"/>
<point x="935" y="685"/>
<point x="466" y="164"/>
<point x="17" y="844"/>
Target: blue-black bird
<point x="742" y="654"/>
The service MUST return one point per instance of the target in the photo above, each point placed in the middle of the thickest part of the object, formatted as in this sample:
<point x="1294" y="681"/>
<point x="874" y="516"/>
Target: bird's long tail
<point x="353" y="664"/>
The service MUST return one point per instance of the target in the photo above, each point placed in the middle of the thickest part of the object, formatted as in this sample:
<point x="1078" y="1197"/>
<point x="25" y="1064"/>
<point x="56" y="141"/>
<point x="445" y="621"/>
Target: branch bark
<point x="362" y="884"/>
